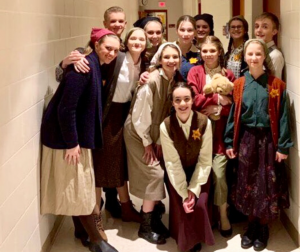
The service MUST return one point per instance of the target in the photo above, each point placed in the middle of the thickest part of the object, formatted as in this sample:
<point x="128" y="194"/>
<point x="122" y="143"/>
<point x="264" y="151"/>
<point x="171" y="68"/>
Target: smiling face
<point x="137" y="42"/>
<point x="182" y="101"/>
<point x="264" y="29"/>
<point x="170" y="59"/>
<point x="108" y="49"/>
<point x="116" y="23"/>
<point x="154" y="33"/>
<point x="255" y="56"/>
<point x="203" y="29"/>
<point x="210" y="55"/>
<point x="186" y="32"/>
<point x="237" y="30"/>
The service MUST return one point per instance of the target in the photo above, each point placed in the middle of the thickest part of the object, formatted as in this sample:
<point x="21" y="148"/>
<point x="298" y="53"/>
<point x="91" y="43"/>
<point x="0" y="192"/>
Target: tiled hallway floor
<point x="124" y="237"/>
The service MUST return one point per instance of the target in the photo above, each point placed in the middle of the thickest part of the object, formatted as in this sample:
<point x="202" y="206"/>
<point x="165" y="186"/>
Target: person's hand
<point x="210" y="109"/>
<point x="279" y="157"/>
<point x="144" y="78"/>
<point x="230" y="153"/>
<point x="72" y="58"/>
<point x="158" y="151"/>
<point x="189" y="203"/>
<point x="149" y="155"/>
<point x="81" y="66"/>
<point x="225" y="100"/>
<point x="73" y="155"/>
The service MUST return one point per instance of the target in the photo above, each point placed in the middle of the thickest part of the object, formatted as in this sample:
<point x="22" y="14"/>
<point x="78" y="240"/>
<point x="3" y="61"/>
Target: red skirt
<point x="192" y="228"/>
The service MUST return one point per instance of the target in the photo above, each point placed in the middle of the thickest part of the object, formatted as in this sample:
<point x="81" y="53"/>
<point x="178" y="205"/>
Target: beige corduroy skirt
<point x="67" y="189"/>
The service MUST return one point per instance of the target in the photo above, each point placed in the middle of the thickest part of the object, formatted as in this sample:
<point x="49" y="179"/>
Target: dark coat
<point x="74" y="114"/>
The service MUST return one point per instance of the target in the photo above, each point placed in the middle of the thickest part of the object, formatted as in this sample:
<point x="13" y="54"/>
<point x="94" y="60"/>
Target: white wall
<point x="173" y="13"/>
<point x="35" y="36"/>
<point x="222" y="12"/>
<point x="290" y="45"/>
<point x="253" y="8"/>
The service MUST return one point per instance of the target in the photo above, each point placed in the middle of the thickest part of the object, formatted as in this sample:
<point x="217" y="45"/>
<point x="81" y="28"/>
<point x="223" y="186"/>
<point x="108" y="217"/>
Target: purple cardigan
<point x="74" y="114"/>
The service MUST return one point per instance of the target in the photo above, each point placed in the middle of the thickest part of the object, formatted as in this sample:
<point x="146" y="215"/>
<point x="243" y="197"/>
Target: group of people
<point x="134" y="112"/>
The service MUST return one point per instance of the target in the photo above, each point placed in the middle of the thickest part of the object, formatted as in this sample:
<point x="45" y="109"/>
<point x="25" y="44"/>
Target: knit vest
<point x="275" y="90"/>
<point x="188" y="149"/>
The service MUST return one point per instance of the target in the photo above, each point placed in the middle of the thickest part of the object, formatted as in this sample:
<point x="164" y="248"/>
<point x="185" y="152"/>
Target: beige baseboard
<point x="286" y="222"/>
<point x="51" y="237"/>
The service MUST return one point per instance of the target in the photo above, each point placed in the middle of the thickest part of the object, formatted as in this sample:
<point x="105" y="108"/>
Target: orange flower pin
<point x="196" y="134"/>
<point x="274" y="93"/>
<point x="193" y="60"/>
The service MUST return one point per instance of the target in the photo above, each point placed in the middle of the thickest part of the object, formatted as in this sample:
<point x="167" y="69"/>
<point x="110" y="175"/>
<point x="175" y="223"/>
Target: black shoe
<point x="84" y="240"/>
<point x="101" y="246"/>
<point x="225" y="233"/>
<point x="250" y="235"/>
<point x="196" y="248"/>
<point x="112" y="204"/>
<point x="262" y="240"/>
<point x="158" y="225"/>
<point x="146" y="230"/>
<point x="160" y="207"/>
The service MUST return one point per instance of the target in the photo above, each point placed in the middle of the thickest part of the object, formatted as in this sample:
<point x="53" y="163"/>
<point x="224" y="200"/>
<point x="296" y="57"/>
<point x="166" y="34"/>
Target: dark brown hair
<point x="182" y="84"/>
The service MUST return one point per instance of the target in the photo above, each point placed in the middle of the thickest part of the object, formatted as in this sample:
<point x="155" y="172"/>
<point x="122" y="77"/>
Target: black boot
<point x="262" y="240"/>
<point x="160" y="207"/>
<point x="101" y="246"/>
<point x="158" y="226"/>
<point x="250" y="235"/>
<point x="146" y="230"/>
<point x="196" y="248"/>
<point x="80" y="232"/>
<point x="112" y="204"/>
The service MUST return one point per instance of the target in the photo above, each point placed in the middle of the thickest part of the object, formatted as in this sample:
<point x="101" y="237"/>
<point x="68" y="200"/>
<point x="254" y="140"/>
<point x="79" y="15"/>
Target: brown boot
<point x="99" y="225"/>
<point x="129" y="213"/>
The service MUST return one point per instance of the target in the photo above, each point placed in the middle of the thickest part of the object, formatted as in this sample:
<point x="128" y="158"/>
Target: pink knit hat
<point x="98" y="33"/>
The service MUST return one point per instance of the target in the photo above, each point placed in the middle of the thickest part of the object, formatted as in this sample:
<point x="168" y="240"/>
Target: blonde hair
<point x="112" y="9"/>
<point x="267" y="62"/>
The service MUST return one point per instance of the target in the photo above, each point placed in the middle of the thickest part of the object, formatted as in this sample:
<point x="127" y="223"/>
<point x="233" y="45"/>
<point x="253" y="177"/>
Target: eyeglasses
<point x="238" y="27"/>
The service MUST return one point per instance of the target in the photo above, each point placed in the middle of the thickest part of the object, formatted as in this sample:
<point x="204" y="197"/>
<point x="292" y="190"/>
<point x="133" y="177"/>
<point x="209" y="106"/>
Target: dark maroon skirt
<point x="261" y="186"/>
<point x="192" y="228"/>
<point x="110" y="163"/>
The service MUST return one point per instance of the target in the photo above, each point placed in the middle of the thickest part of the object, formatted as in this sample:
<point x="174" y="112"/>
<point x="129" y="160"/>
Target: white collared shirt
<point x="277" y="59"/>
<point x="186" y="126"/>
<point x="128" y="76"/>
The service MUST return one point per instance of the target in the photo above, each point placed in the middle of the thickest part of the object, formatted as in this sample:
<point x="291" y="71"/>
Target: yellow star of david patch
<point x="193" y="60"/>
<point x="196" y="134"/>
<point x="274" y="93"/>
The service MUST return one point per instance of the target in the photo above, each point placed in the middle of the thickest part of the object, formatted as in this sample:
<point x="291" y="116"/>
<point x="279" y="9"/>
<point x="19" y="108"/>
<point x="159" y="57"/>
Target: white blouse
<point x="128" y="76"/>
